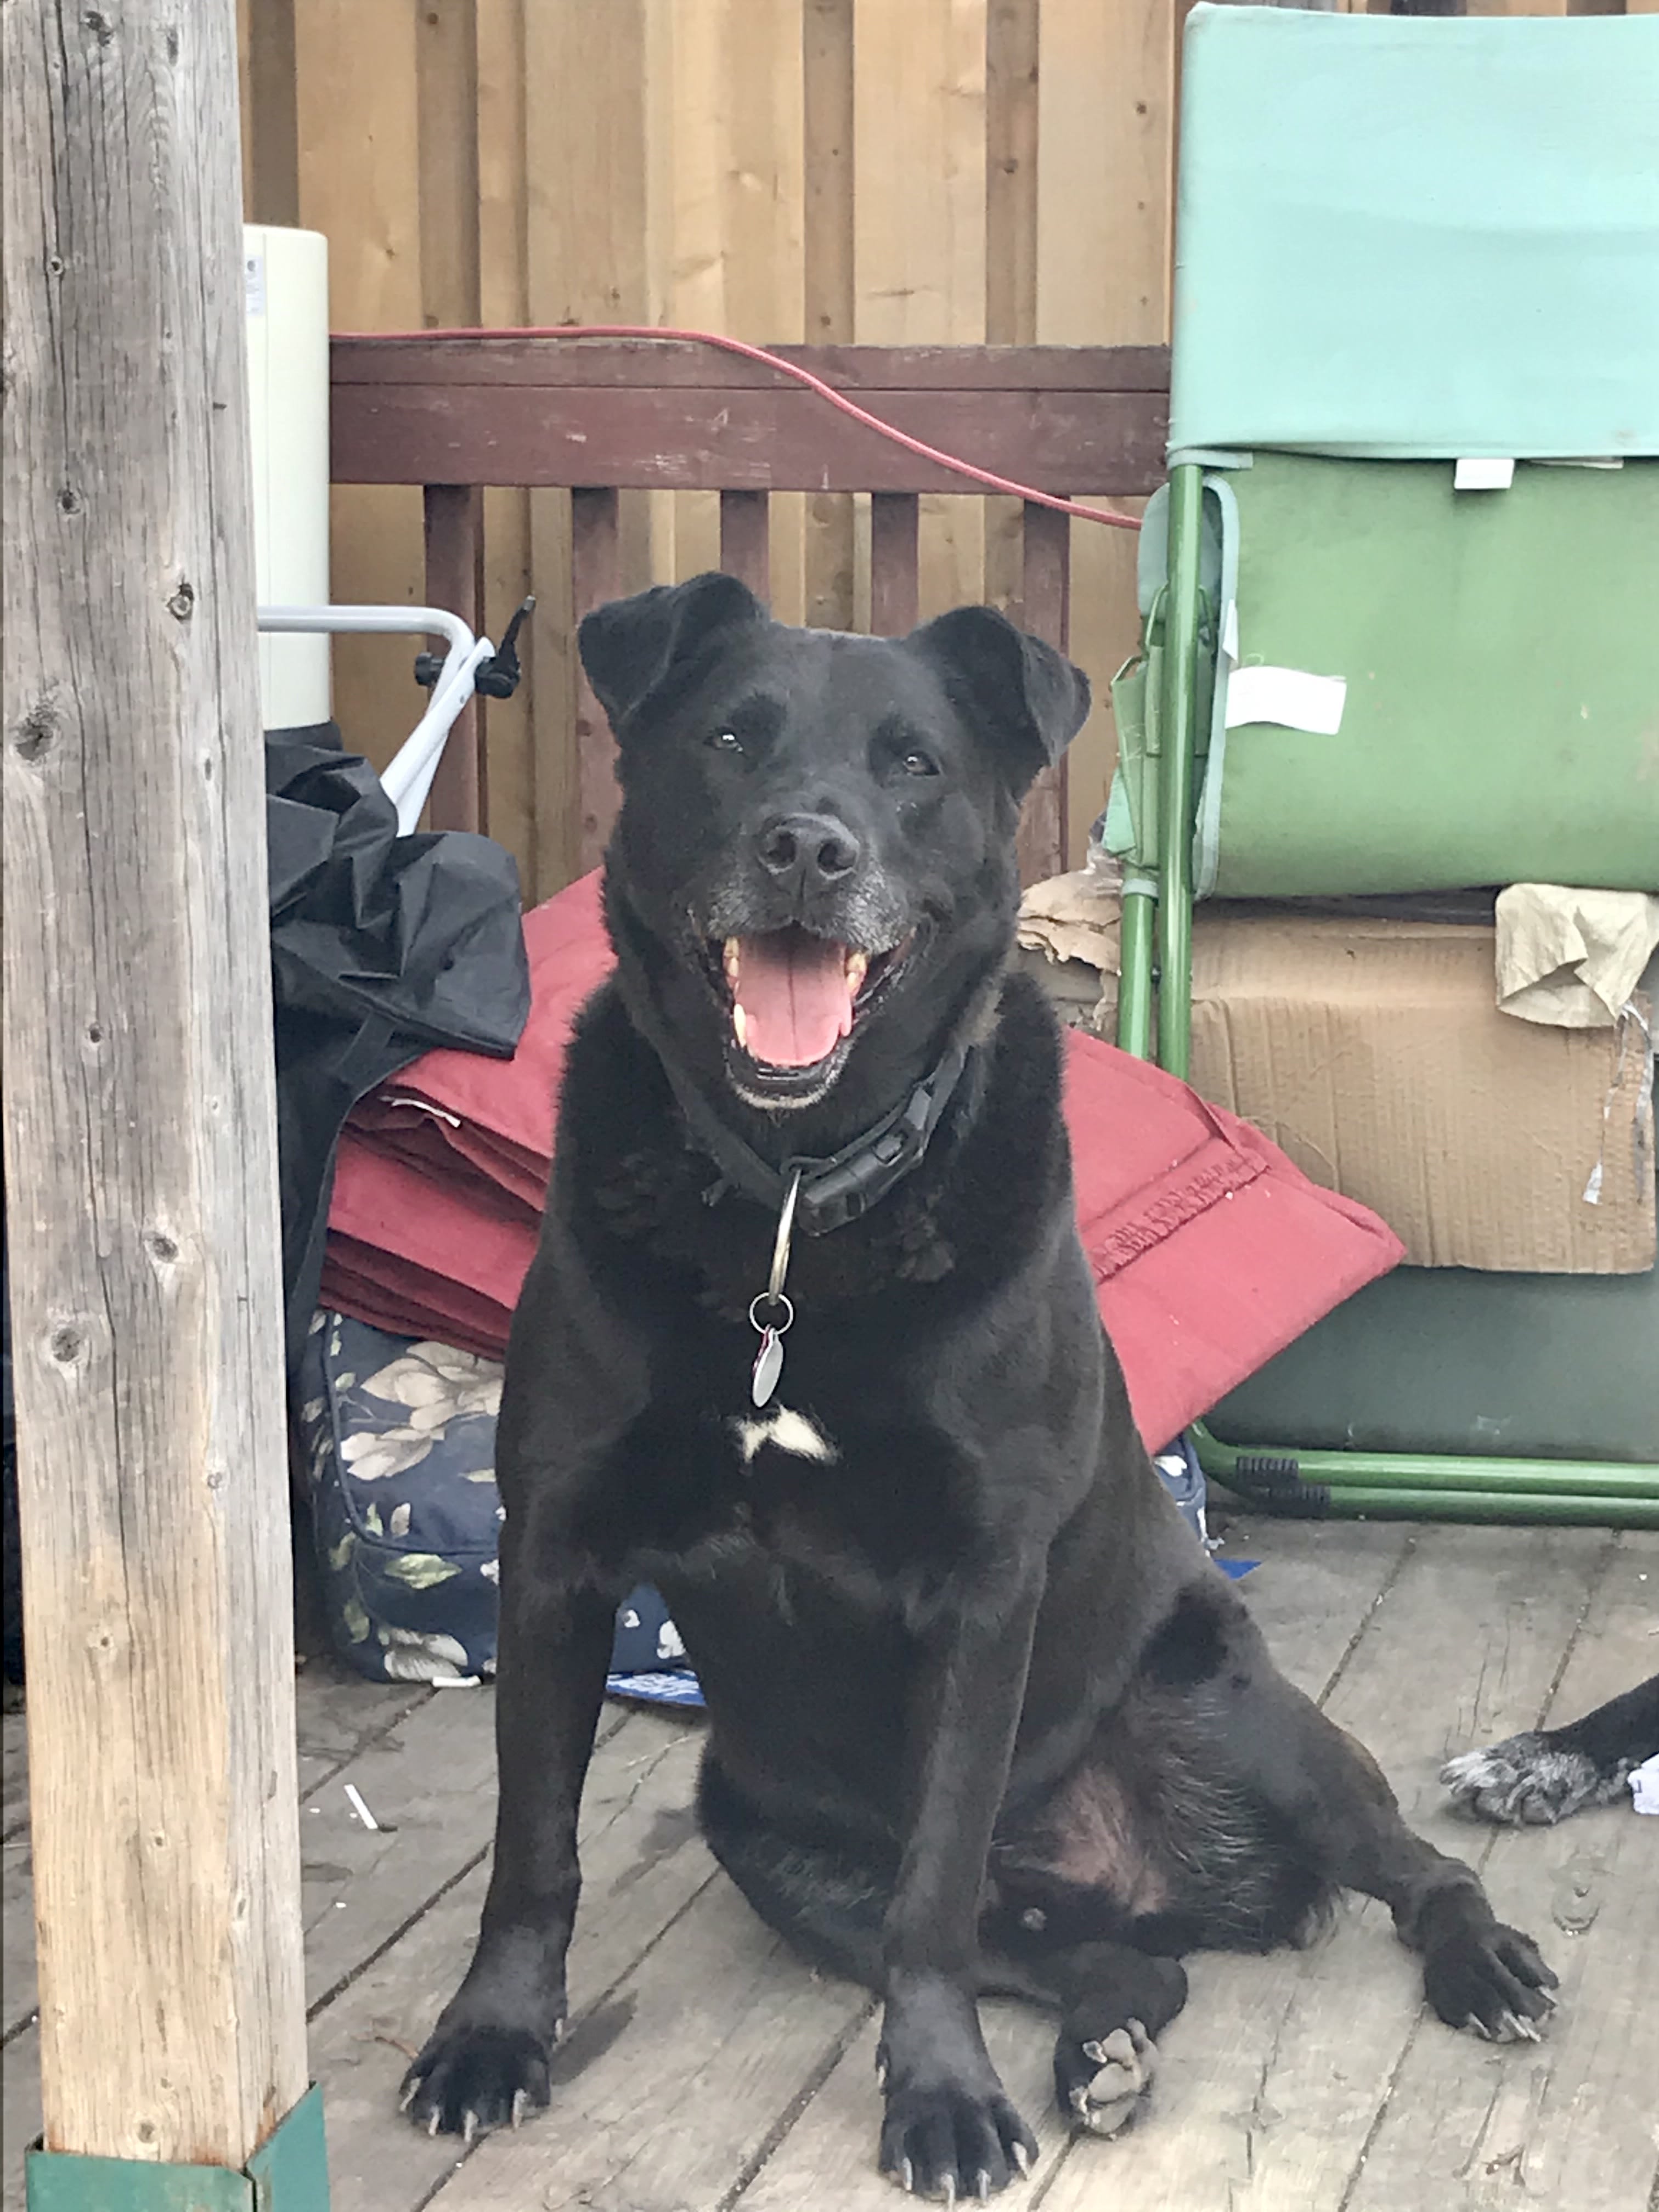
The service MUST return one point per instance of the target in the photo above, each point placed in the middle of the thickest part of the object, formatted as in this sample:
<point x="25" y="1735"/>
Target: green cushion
<point x="1442" y="1359"/>
<point x="1501" y="652"/>
<point x="1401" y="237"/>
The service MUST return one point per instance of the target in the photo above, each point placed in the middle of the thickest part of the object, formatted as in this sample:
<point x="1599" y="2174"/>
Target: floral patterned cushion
<point x="399" y="1438"/>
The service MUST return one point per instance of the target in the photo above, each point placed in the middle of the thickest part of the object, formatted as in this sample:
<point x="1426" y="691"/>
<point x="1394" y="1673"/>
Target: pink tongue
<point x="793" y="991"/>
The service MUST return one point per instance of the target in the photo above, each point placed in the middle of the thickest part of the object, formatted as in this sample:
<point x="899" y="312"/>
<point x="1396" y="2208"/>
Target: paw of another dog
<point x="1528" y="1780"/>
<point x="469" y="2079"/>
<point x="1491" y="1980"/>
<point x="1100" y="2081"/>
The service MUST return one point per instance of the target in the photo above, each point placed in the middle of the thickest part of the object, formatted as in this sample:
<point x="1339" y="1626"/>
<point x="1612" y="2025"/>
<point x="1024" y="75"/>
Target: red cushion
<point x="1210" y="1250"/>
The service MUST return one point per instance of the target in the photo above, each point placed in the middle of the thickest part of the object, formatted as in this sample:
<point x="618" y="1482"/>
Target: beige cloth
<point x="1073" y="918"/>
<point x="1571" y="958"/>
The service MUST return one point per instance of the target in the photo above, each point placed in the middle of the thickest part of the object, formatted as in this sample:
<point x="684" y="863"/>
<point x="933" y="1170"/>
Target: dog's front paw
<point x="1491" y="1980"/>
<point x="470" y="2079"/>
<point x="1527" y="1779"/>
<point x="1101" y="2081"/>
<point x="950" y="2141"/>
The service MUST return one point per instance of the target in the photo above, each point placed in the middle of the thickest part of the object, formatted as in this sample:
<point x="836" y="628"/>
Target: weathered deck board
<point x="643" y="1863"/>
<point x="714" y="2071"/>
<point x="1275" y="2075"/>
<point x="1571" y="2124"/>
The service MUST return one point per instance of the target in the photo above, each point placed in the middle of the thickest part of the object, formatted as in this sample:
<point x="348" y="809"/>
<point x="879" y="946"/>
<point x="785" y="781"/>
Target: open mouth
<point x="796" y="998"/>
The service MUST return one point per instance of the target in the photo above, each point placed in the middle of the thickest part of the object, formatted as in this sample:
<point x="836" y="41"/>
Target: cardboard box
<point x="1375" y="1054"/>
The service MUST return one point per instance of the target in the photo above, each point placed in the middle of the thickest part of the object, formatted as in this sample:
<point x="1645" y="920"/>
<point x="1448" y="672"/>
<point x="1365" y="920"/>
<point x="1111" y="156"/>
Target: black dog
<point x="1545" y="1775"/>
<point x="984" y="1716"/>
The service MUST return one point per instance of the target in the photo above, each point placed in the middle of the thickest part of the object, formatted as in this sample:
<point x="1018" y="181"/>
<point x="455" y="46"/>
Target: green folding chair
<point x="1414" y="258"/>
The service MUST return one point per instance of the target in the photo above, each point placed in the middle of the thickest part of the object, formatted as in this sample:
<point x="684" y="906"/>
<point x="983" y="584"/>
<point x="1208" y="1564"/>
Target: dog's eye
<point x="919" y="764"/>
<point x="726" y="741"/>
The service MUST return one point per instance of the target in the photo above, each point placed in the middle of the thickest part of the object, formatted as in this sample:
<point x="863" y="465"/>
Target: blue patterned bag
<point x="399" y="1439"/>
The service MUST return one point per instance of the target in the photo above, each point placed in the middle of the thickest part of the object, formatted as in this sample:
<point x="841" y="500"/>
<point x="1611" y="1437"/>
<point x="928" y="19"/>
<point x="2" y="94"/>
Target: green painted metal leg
<point x="1135" y="986"/>
<point x="289" y="2172"/>
<point x="1175" y="906"/>
<point x="1428" y="1486"/>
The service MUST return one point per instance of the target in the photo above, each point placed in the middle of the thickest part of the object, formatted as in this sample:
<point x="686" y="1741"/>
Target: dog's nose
<point x="807" y="851"/>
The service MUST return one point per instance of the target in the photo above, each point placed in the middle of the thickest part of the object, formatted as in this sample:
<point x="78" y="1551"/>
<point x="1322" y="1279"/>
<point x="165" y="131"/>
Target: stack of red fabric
<point x="1211" y="1251"/>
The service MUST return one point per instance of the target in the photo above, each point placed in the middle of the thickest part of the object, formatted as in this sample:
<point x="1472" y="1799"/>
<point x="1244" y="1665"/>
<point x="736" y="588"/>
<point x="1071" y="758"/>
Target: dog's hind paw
<point x="1529" y="1781"/>
<point x="469" y="2079"/>
<point x="1100" y="2081"/>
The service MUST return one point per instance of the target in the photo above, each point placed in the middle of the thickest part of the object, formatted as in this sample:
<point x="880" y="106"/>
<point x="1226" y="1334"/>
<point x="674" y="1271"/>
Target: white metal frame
<point x="408" y="778"/>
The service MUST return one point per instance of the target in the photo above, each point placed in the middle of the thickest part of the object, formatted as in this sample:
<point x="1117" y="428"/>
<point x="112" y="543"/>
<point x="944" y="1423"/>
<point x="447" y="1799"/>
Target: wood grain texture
<point x="1569" y="2123"/>
<point x="139" y="1122"/>
<point x="358" y="105"/>
<point x="508" y="733"/>
<point x="1045" y="610"/>
<point x="919" y="226"/>
<point x="454" y="580"/>
<point x="596" y="576"/>
<point x="1275" y="2074"/>
<point x="827" y="73"/>
<point x="1105" y="155"/>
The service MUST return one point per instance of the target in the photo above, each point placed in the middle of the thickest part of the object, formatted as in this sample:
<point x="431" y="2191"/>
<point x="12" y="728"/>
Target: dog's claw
<point x="1479" y="2027"/>
<point x="411" y="2090"/>
<point x="433" y="2118"/>
<point x="520" y="2105"/>
<point x="982" y="2186"/>
<point x="908" y="2178"/>
<point x="949" y="2192"/>
<point x="1021" y="2160"/>
<point x="1523" y="2029"/>
<point x="469" y="2127"/>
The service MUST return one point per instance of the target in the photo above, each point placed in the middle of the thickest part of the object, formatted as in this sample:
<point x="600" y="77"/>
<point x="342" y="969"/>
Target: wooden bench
<point x="599" y="417"/>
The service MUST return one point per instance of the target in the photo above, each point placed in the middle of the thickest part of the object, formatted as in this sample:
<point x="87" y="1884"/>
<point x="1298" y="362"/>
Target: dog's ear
<point x="633" y="648"/>
<point x="1029" y="698"/>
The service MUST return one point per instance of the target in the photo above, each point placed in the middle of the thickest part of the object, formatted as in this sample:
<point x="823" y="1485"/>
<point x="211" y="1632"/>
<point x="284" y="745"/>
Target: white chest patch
<point x="789" y="1432"/>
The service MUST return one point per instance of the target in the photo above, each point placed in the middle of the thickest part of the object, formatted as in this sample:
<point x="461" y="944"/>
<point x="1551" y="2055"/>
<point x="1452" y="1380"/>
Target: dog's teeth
<point x="730" y="957"/>
<point x="740" y="1023"/>
<point x="857" y="967"/>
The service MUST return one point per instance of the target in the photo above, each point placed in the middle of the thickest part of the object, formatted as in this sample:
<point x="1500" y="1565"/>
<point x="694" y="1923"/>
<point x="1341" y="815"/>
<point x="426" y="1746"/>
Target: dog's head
<point x="816" y="834"/>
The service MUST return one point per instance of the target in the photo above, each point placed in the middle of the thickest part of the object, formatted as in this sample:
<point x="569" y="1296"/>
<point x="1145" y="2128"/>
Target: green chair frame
<point x="1157" y="976"/>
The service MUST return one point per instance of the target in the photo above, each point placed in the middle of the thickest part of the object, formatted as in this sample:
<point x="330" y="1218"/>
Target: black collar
<point x="842" y="1187"/>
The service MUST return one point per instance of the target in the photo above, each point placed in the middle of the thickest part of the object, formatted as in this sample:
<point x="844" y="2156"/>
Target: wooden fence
<point x="883" y="172"/>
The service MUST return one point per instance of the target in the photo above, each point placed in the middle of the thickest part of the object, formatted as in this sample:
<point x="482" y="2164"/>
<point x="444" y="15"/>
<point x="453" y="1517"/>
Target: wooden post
<point x="454" y="580"/>
<point x="140" y="1144"/>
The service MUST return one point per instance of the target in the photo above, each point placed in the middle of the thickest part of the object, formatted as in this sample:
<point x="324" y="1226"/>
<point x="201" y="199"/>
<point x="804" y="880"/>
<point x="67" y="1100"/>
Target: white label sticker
<point x="1290" y="696"/>
<point x="254" y="283"/>
<point x="1483" y="474"/>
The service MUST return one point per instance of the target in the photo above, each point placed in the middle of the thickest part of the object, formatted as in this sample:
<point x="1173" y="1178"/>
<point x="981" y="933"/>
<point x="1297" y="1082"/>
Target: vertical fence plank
<point x="1106" y="114"/>
<point x="454" y="580"/>
<point x="745" y="535"/>
<point x="893" y="571"/>
<point x="507" y="735"/>
<point x="357" y="103"/>
<point x="585" y="66"/>
<point x="1011" y="69"/>
<point x="1045" y="610"/>
<point x="827" y="88"/>
<point x="919" y="221"/>
<point x="595" y="576"/>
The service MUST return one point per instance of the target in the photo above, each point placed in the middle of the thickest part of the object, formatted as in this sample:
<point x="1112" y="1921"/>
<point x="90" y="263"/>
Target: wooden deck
<point x="711" y="2070"/>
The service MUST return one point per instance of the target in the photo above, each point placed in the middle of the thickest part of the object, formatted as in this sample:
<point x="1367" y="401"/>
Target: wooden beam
<point x="140" y="1127"/>
<point x="1045" y="610"/>
<point x="674" y="439"/>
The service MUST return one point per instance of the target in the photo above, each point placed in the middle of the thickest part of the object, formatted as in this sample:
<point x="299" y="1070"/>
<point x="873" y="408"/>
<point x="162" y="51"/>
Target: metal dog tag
<point x="769" y="1365"/>
<point x="768" y="1360"/>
